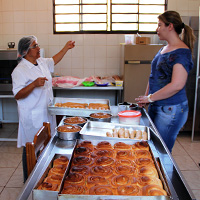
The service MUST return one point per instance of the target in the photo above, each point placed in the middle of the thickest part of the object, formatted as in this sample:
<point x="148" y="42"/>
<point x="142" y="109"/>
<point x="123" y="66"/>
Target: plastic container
<point x="88" y="83"/>
<point x="119" y="83"/>
<point x="131" y="117"/>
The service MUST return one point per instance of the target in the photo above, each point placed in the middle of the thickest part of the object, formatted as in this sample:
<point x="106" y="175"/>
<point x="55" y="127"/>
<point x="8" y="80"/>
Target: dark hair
<point x="174" y="18"/>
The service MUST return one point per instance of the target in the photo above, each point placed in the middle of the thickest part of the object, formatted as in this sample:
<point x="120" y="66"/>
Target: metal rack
<point x="195" y="118"/>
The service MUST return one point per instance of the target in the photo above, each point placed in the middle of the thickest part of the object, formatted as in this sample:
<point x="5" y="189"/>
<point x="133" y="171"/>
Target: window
<point x="107" y="16"/>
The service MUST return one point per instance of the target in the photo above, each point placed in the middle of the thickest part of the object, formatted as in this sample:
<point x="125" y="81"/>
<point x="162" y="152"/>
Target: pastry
<point x="124" y="154"/>
<point x="132" y="190"/>
<point x="82" y="151"/>
<point x="74" y="178"/>
<point x="73" y="189"/>
<point x="144" y="135"/>
<point x="147" y="180"/>
<point x="86" y="144"/>
<point x="98" y="106"/>
<point x="122" y="146"/>
<point x="105" y="171"/>
<point x="103" y="152"/>
<point x="57" y="170"/>
<point x="121" y="133"/>
<point x="82" y="169"/>
<point x="127" y="162"/>
<point x="108" y="134"/>
<point x="104" y="161"/>
<point x="153" y="190"/>
<point x="74" y="120"/>
<point x="101" y="190"/>
<point x="82" y="160"/>
<point x="62" y="160"/>
<point x="144" y="162"/>
<point x="142" y="154"/>
<point x="126" y="134"/>
<point x="100" y="115"/>
<point x="120" y="180"/>
<point x="125" y="169"/>
<point x="48" y="186"/>
<point x="141" y="145"/>
<point x="104" y="145"/>
<point x="132" y="134"/>
<point x="55" y="179"/>
<point x="96" y="180"/>
<point x="138" y="135"/>
<point x="148" y="171"/>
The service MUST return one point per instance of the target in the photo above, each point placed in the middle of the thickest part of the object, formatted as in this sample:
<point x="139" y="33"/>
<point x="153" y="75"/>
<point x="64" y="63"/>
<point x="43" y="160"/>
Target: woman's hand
<point x="70" y="44"/>
<point x="142" y="101"/>
<point x="40" y="81"/>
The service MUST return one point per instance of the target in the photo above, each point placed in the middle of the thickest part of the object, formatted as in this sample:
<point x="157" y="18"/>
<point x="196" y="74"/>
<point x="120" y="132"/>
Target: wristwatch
<point x="149" y="98"/>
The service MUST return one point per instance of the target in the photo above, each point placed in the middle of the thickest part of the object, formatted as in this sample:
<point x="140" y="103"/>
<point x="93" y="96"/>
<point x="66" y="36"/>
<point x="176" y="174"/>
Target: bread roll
<point x="144" y="135"/>
<point x="125" y="169"/>
<point x="105" y="171"/>
<point x="57" y="170"/>
<point x="96" y="180"/>
<point x="121" y="133"/>
<point x="115" y="132"/>
<point x="148" y="171"/>
<point x="103" y="152"/>
<point x="142" y="154"/>
<point x="144" y="162"/>
<point x="126" y="134"/>
<point x="130" y="190"/>
<point x="122" y="146"/>
<point x="104" y="145"/>
<point x="104" y="161"/>
<point x="82" y="169"/>
<point x="86" y="144"/>
<point x="55" y="179"/>
<point x="82" y="160"/>
<point x="141" y="145"/>
<point x="138" y="135"/>
<point x="124" y="154"/>
<point x="147" y="180"/>
<point x="127" y="162"/>
<point x="133" y="134"/>
<point x="153" y="190"/>
<point x="62" y="160"/>
<point x="48" y="186"/>
<point x="73" y="189"/>
<point x="108" y="134"/>
<point x="82" y="151"/>
<point x="74" y="178"/>
<point x="120" y="180"/>
<point x="102" y="190"/>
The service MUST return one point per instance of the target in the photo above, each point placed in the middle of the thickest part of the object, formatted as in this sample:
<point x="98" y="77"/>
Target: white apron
<point x="33" y="110"/>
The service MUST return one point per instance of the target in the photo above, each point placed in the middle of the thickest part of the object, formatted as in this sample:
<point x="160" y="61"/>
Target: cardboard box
<point x="142" y="40"/>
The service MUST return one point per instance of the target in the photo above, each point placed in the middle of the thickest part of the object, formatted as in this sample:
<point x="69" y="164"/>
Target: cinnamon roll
<point x="129" y="190"/>
<point x="105" y="171"/>
<point x="55" y="179"/>
<point x="122" y="146"/>
<point x="142" y="154"/>
<point x="120" y="180"/>
<point x="141" y="145"/>
<point x="147" y="180"/>
<point x="153" y="190"/>
<point x="124" y="154"/>
<point x="96" y="180"/>
<point x="101" y="190"/>
<point x="73" y="189"/>
<point x="82" y="151"/>
<point x="48" y="186"/>
<point x="103" y="152"/>
<point x="125" y="169"/>
<point x="62" y="160"/>
<point x="82" y="169"/>
<point x="144" y="162"/>
<point x="148" y="171"/>
<point x="86" y="144"/>
<point x="82" y="160"/>
<point x="127" y="162"/>
<point x="74" y="178"/>
<point x="104" y="161"/>
<point x="57" y="170"/>
<point x="104" y="145"/>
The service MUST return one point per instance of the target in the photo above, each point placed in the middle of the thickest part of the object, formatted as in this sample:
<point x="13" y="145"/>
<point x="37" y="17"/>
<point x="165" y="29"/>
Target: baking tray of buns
<point x="114" y="131"/>
<point x="108" y="169"/>
<point x="82" y="107"/>
<point x="49" y="184"/>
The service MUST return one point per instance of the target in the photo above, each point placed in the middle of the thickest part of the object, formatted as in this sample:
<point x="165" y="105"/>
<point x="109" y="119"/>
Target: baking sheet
<point x="118" y="197"/>
<point x="81" y="112"/>
<point x="97" y="130"/>
<point x="45" y="194"/>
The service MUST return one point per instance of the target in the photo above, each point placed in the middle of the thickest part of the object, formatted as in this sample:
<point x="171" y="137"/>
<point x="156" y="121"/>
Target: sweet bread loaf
<point x="148" y="171"/>
<point x="55" y="179"/>
<point x="71" y="105"/>
<point x="105" y="171"/>
<point x="142" y="154"/>
<point x="82" y="160"/>
<point x="103" y="152"/>
<point x="98" y="106"/>
<point x="122" y="146"/>
<point x="86" y="144"/>
<point x="124" y="154"/>
<point x="104" y="145"/>
<point x="147" y="180"/>
<point x="121" y="162"/>
<point x="120" y="180"/>
<point x="82" y="151"/>
<point x="141" y="145"/>
<point x="125" y="169"/>
<point x="104" y="161"/>
<point x="81" y="169"/>
<point x="57" y="170"/>
<point x="74" y="178"/>
<point x="144" y="162"/>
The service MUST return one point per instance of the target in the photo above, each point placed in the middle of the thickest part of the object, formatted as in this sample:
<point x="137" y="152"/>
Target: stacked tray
<point x="82" y="112"/>
<point x="99" y="130"/>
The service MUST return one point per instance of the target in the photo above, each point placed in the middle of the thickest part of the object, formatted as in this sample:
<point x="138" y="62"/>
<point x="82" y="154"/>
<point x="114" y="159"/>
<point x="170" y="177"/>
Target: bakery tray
<point x="120" y="197"/>
<point x="81" y="112"/>
<point x="45" y="194"/>
<point x="97" y="130"/>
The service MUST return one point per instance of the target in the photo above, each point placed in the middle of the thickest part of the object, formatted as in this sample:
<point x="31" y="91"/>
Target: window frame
<point x="107" y="32"/>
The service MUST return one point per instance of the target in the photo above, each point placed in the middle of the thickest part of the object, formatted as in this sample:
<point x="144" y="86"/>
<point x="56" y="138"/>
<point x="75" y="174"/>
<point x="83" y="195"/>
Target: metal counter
<point x="176" y="182"/>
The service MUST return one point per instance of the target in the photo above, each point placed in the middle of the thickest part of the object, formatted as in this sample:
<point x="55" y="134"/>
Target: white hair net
<point x="24" y="45"/>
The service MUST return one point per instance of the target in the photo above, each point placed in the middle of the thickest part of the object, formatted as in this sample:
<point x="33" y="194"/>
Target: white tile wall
<point x="94" y="54"/>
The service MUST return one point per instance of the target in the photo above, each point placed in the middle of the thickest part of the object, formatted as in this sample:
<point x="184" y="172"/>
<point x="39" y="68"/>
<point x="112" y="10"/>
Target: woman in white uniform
<point x="32" y="88"/>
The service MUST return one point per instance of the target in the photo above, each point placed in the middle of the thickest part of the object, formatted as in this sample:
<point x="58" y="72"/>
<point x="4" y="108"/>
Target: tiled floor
<point x="185" y="153"/>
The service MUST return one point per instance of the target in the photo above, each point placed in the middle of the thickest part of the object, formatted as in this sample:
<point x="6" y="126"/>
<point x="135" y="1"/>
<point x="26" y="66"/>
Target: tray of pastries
<point x="113" y="170"/>
<point x="78" y="106"/>
<point x="49" y="184"/>
<point x="114" y="131"/>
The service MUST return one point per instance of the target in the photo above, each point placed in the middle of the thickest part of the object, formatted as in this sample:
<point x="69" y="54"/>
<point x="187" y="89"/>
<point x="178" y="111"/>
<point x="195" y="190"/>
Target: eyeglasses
<point x="34" y="46"/>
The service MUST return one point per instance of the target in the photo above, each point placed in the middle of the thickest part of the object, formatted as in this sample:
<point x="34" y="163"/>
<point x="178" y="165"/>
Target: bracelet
<point x="149" y="98"/>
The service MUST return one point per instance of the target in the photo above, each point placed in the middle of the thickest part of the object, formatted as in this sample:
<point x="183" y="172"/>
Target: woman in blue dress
<point x="165" y="93"/>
